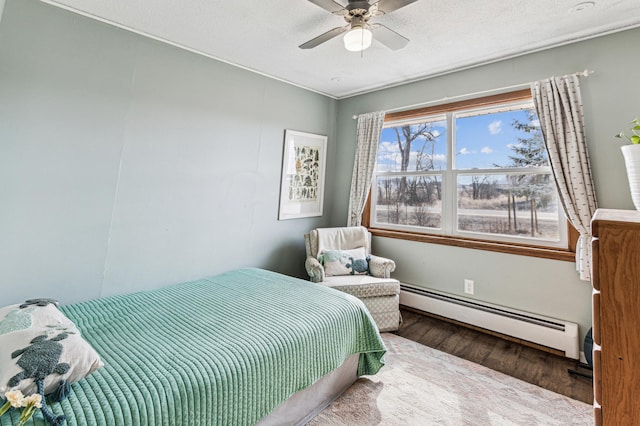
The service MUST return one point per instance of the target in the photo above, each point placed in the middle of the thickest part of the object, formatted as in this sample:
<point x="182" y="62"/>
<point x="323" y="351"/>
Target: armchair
<point x="371" y="283"/>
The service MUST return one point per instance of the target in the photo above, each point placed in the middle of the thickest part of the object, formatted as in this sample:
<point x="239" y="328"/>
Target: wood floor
<point x="535" y="366"/>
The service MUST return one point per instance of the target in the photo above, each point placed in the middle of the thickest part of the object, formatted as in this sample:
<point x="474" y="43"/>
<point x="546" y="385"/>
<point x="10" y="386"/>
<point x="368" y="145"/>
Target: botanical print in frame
<point x="303" y="166"/>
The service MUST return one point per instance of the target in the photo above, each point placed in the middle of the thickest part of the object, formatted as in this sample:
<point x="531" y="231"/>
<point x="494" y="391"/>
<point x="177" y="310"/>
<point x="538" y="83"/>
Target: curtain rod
<point x="583" y="73"/>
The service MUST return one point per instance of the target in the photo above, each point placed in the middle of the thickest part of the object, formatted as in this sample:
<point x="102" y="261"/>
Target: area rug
<point x="423" y="386"/>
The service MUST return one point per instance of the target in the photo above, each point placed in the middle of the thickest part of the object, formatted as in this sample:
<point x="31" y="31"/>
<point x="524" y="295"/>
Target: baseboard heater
<point x="553" y="333"/>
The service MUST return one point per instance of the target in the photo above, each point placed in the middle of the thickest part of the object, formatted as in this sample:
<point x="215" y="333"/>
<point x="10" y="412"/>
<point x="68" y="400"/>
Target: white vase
<point x="631" y="154"/>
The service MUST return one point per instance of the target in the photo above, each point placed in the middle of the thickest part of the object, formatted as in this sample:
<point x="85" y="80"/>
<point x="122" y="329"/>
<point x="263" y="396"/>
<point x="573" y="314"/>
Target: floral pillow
<point x="37" y="341"/>
<point x="345" y="262"/>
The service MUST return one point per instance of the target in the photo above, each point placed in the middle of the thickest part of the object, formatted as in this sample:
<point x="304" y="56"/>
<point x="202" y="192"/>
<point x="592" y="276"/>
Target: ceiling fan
<point x="357" y="14"/>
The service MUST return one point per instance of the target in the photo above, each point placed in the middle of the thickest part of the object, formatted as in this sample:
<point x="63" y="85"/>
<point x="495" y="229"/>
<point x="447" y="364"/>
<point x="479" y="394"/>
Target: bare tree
<point x="406" y="135"/>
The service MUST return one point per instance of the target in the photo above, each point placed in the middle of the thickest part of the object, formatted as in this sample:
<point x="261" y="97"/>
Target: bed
<point x="245" y="347"/>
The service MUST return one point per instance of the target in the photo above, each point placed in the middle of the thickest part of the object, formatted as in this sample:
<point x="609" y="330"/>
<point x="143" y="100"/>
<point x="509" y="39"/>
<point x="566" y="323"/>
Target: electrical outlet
<point x="468" y="286"/>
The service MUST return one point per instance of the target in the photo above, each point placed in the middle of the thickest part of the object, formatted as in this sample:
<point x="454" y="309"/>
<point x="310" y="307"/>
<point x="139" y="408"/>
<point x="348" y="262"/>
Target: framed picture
<point x="303" y="166"/>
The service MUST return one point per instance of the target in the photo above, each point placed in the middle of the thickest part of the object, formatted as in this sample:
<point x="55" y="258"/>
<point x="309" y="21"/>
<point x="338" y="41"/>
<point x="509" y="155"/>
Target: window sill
<point x="510" y="248"/>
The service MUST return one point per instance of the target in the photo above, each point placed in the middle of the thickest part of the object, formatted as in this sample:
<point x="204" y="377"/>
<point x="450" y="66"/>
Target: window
<point x="472" y="170"/>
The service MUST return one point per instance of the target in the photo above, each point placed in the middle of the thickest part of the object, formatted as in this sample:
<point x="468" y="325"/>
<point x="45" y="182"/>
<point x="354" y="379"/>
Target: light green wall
<point x="128" y="164"/>
<point x="545" y="287"/>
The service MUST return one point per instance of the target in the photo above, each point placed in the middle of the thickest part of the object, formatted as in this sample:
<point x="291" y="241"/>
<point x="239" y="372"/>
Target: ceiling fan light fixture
<point x="357" y="39"/>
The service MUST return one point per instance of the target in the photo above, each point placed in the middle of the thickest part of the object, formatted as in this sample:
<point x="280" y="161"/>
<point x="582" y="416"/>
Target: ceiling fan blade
<point x="388" y="37"/>
<point x="329" y="5"/>
<point x="324" y="37"/>
<point x="388" y="6"/>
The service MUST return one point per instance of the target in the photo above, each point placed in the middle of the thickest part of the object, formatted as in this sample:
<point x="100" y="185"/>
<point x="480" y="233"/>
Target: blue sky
<point x="481" y="142"/>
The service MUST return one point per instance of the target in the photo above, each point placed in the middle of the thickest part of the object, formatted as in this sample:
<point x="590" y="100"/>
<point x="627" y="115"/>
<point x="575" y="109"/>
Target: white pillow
<point x="345" y="262"/>
<point x="57" y="337"/>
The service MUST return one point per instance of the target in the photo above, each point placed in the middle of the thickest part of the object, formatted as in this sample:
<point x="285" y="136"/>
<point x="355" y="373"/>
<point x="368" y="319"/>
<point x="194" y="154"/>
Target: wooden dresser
<point x="616" y="317"/>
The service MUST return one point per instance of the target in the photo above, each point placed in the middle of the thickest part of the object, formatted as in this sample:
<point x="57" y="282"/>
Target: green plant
<point x="635" y="137"/>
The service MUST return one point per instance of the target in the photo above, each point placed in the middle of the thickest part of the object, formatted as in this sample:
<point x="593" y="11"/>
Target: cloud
<point x="495" y="127"/>
<point x="486" y="150"/>
<point x="389" y="154"/>
<point x="464" y="151"/>
<point x="388" y="147"/>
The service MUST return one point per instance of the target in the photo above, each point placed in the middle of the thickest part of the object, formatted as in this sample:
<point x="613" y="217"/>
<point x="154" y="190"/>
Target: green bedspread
<point x="225" y="350"/>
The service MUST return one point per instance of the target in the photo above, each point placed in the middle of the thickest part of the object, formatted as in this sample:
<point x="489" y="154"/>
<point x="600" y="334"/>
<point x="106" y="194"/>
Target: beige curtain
<point x="559" y="107"/>
<point x="368" y="136"/>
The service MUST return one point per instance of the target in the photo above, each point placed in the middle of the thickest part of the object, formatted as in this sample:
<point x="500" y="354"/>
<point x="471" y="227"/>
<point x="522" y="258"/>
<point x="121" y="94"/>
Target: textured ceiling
<point x="445" y="35"/>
